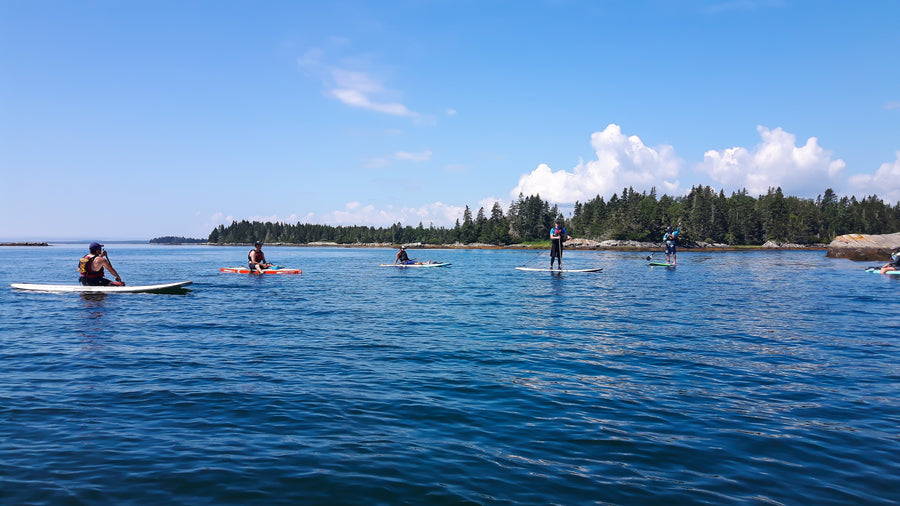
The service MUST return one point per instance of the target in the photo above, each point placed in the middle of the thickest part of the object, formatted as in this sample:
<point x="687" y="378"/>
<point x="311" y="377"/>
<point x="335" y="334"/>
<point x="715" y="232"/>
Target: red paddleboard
<point x="244" y="270"/>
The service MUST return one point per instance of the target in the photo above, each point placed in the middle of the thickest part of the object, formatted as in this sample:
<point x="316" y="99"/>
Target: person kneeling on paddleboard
<point x="91" y="267"/>
<point x="256" y="259"/>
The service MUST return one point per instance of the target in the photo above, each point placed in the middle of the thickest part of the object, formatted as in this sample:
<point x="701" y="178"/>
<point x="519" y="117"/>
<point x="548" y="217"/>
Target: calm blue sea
<point x="737" y="378"/>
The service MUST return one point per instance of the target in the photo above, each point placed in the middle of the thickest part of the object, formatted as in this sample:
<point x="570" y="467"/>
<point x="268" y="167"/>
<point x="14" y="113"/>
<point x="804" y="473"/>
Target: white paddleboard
<point x="34" y="287"/>
<point x="531" y="269"/>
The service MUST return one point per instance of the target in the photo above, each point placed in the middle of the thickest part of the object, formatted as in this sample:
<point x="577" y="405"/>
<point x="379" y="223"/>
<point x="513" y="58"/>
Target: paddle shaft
<point x="108" y="261"/>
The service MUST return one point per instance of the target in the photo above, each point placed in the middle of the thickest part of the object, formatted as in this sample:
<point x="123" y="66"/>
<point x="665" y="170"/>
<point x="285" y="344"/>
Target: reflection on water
<point x="93" y="299"/>
<point x="476" y="384"/>
<point x="93" y="307"/>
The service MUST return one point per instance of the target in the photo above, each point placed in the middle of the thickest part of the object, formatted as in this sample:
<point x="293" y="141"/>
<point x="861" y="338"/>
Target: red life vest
<point x="262" y="256"/>
<point x="86" y="267"/>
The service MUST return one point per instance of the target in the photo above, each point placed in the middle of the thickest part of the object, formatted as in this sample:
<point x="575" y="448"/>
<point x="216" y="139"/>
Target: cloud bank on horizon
<point x="777" y="161"/>
<point x="622" y="161"/>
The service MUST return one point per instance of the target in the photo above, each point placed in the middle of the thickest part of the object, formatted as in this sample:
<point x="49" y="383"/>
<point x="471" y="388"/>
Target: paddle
<point x="532" y="259"/>
<point x="118" y="281"/>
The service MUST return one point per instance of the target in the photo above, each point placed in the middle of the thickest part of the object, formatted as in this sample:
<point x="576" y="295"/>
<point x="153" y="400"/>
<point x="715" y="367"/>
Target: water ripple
<point x="737" y="378"/>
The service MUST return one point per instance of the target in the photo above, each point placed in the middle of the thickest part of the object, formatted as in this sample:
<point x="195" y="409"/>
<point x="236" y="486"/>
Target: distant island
<point x="23" y="244"/>
<point x="176" y="240"/>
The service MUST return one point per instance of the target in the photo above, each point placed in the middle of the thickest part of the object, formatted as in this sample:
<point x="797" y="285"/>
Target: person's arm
<point x="104" y="262"/>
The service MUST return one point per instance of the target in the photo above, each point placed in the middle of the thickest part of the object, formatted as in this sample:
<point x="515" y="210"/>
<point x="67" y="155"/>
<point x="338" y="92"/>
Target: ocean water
<point x="736" y="378"/>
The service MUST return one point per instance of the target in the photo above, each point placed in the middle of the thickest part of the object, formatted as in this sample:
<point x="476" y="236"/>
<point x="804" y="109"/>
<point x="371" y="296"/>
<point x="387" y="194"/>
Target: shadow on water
<point x="173" y="291"/>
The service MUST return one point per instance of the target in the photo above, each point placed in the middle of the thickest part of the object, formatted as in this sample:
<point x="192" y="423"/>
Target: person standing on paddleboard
<point x="669" y="240"/>
<point x="256" y="259"/>
<point x="557" y="237"/>
<point x="91" y="267"/>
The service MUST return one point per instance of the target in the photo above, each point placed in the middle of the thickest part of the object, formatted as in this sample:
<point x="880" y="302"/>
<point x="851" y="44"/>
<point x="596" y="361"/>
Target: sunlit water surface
<point x="736" y="378"/>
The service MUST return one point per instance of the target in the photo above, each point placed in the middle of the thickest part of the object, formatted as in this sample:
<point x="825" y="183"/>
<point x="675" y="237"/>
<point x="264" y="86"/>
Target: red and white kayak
<point x="245" y="270"/>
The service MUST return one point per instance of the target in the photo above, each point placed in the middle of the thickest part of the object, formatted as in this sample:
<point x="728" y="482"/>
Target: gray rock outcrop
<point x="863" y="247"/>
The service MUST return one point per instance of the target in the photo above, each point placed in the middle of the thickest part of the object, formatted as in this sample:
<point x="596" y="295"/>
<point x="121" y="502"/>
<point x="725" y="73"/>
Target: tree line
<point x="170" y="239"/>
<point x="704" y="215"/>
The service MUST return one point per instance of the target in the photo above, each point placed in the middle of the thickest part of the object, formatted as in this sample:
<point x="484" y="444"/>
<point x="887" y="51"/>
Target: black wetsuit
<point x="556" y="245"/>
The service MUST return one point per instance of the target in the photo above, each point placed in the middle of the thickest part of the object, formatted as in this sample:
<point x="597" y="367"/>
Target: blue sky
<point x="131" y="120"/>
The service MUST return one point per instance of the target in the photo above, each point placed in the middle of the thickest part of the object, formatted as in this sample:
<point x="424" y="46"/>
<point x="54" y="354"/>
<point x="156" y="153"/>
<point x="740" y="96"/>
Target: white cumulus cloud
<point x="885" y="182"/>
<point x="776" y="161"/>
<point x="621" y="162"/>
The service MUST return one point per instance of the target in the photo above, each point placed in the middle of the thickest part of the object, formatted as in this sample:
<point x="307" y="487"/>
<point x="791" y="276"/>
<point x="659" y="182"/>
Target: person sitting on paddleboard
<point x="558" y="236"/>
<point x="669" y="240"/>
<point x="256" y="259"/>
<point x="402" y="257"/>
<point x="91" y="267"/>
<point x="894" y="264"/>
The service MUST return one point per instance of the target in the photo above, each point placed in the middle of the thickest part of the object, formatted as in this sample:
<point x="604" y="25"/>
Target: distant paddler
<point x="894" y="264"/>
<point x="669" y="239"/>
<point x="402" y="258"/>
<point x="256" y="259"/>
<point x="558" y="236"/>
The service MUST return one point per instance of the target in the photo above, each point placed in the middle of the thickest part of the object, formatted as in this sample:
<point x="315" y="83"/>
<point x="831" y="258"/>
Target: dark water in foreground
<point x="739" y="378"/>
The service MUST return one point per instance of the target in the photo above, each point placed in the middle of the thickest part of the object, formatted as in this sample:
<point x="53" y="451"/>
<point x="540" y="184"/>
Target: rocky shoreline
<point x="573" y="244"/>
<point x="863" y="247"/>
<point x="856" y="247"/>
